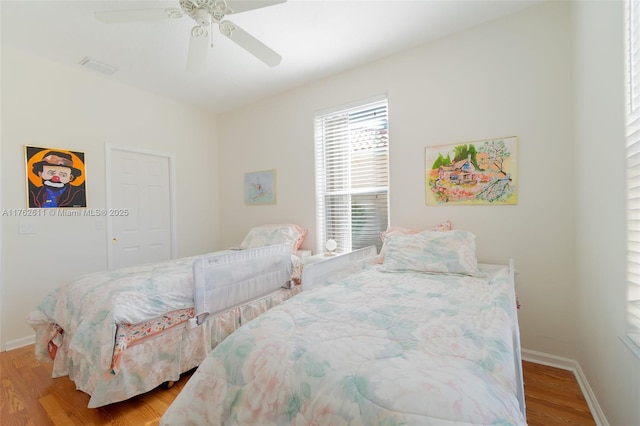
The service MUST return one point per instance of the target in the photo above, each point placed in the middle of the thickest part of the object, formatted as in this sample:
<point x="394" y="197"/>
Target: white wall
<point x="509" y="77"/>
<point x="550" y="75"/>
<point x="613" y="371"/>
<point x="49" y="105"/>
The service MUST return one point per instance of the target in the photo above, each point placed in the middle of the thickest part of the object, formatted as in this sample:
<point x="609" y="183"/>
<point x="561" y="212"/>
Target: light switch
<point x="27" y="228"/>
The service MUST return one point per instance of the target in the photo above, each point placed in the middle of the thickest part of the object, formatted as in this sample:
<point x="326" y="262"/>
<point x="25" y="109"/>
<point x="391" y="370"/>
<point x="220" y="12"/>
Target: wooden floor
<point x="29" y="396"/>
<point x="553" y="397"/>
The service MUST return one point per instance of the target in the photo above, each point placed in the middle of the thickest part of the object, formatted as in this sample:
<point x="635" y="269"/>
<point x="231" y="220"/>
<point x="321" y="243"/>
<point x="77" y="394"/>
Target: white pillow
<point x="397" y="230"/>
<point x="443" y="252"/>
<point x="268" y="235"/>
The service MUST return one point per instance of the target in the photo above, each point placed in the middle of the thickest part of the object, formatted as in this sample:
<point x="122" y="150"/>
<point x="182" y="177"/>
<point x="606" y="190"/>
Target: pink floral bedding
<point x="374" y="348"/>
<point x="91" y="326"/>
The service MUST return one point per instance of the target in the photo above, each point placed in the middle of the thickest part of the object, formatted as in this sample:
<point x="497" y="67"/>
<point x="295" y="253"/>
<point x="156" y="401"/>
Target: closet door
<point x="140" y="208"/>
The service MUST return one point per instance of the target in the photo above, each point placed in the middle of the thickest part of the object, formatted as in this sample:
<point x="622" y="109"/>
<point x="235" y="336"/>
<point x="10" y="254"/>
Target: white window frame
<point x="632" y="95"/>
<point x="334" y="128"/>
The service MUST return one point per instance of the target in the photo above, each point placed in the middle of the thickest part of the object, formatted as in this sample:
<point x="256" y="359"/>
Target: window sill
<point x="632" y="345"/>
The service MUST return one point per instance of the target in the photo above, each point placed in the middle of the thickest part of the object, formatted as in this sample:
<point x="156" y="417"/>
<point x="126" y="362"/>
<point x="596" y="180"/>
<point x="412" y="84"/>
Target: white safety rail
<point x="316" y="274"/>
<point x="517" y="353"/>
<point x="227" y="279"/>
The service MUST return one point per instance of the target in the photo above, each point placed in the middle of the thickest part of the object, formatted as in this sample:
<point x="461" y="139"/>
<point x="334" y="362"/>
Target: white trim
<point x="573" y="366"/>
<point x="352" y="104"/>
<point x="109" y="148"/>
<point x="2" y="297"/>
<point x="21" y="342"/>
<point x="632" y="151"/>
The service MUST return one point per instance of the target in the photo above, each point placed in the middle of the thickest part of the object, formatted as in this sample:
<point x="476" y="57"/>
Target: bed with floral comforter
<point x="121" y="333"/>
<point x="375" y="347"/>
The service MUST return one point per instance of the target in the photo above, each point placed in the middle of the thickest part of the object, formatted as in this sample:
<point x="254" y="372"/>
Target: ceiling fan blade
<point x="198" y="44"/>
<point x="137" y="15"/>
<point x="250" y="43"/>
<point x="237" y="6"/>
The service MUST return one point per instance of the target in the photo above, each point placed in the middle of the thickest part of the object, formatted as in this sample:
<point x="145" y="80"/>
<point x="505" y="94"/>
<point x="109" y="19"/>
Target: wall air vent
<point x="97" y="66"/>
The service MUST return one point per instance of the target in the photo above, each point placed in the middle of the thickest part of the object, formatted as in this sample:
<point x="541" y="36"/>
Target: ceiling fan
<point x="206" y="13"/>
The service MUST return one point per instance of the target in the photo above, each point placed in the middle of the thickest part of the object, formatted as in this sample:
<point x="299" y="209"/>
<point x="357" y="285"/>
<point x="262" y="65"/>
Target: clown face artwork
<point x="55" y="178"/>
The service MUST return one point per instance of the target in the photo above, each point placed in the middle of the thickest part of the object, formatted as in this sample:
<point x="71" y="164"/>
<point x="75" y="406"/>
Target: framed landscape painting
<point x="480" y="172"/>
<point x="260" y="188"/>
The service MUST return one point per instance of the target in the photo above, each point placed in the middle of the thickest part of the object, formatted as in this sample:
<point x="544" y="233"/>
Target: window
<point x="632" y="54"/>
<point x="352" y="175"/>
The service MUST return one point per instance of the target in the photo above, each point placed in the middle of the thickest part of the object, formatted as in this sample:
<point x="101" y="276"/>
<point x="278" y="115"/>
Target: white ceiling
<point x="316" y="38"/>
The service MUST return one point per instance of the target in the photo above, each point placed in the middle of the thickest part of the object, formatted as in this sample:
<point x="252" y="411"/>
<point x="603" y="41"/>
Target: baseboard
<point x="18" y="343"/>
<point x="573" y="366"/>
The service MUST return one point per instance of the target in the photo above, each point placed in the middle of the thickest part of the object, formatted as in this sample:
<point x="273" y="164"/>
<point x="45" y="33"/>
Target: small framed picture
<point x="260" y="188"/>
<point x="56" y="178"/>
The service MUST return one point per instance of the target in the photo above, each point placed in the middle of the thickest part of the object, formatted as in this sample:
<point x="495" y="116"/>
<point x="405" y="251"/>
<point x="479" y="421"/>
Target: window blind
<point x="632" y="23"/>
<point x="352" y="175"/>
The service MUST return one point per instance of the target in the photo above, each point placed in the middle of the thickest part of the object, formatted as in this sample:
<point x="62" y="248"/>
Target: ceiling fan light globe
<point x="202" y="17"/>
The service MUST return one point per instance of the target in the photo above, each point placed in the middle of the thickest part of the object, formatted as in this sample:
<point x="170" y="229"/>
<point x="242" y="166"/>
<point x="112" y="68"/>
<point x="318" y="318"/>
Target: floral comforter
<point x="373" y="348"/>
<point x="89" y="309"/>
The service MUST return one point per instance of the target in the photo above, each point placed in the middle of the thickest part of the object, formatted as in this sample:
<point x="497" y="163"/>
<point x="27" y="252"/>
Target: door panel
<point x="140" y="183"/>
